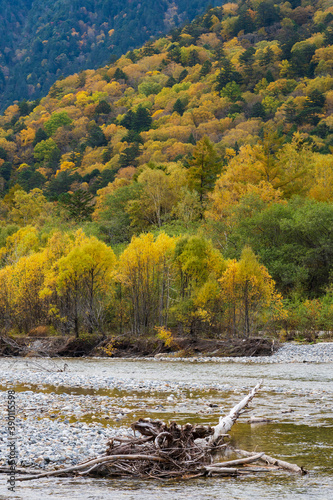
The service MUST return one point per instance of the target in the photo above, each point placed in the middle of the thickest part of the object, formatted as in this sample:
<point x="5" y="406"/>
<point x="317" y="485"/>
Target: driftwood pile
<point x="173" y="451"/>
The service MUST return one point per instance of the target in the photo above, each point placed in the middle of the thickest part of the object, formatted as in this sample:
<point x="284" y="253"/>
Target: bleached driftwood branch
<point x="225" y="423"/>
<point x="273" y="461"/>
<point x="239" y="461"/>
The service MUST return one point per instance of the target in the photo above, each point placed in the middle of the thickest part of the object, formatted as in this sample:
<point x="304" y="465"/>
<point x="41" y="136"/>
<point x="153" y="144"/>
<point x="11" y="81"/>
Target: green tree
<point x="312" y="108"/>
<point x="232" y="91"/>
<point x="179" y="107"/>
<point x="267" y="13"/>
<point x="61" y="183"/>
<point x="57" y="119"/>
<point x="47" y="152"/>
<point x="301" y="59"/>
<point x="29" y="178"/>
<point x="257" y="110"/>
<point x="3" y="154"/>
<point x="227" y="74"/>
<point x="78" y="205"/>
<point x="294" y="241"/>
<point x="96" y="137"/>
<point x="113" y="217"/>
<point x="142" y="120"/>
<point x="129" y="156"/>
<point x="193" y="58"/>
<point x="137" y="121"/>
<point x="103" y="108"/>
<point x="206" y="68"/>
<point x="204" y="167"/>
<point x="175" y="53"/>
<point x="120" y="75"/>
<point x="41" y="135"/>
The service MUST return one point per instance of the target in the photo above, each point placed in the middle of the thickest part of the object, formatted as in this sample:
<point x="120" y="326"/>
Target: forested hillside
<point x="186" y="186"/>
<point x="43" y="40"/>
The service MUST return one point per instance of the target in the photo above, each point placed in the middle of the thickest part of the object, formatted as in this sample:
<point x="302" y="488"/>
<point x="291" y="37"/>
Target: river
<point x="297" y="397"/>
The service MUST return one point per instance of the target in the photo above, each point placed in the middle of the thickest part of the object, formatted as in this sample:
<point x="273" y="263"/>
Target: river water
<point x="297" y="397"/>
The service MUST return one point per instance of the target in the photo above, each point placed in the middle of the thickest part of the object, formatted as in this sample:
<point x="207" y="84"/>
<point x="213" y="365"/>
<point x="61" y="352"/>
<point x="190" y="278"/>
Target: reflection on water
<point x="281" y="485"/>
<point x="297" y="397"/>
<point x="310" y="447"/>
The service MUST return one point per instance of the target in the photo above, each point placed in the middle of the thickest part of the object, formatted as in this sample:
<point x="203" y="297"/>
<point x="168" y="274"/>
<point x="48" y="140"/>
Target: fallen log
<point x="240" y="461"/>
<point x="166" y="451"/>
<point x="225" y="423"/>
<point x="222" y="471"/>
<point x="274" y="461"/>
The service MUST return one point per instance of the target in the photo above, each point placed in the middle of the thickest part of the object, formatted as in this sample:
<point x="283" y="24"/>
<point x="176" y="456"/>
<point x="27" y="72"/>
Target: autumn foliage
<point x="187" y="186"/>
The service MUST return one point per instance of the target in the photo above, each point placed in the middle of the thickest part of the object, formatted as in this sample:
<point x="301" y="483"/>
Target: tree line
<point x="74" y="284"/>
<point x="71" y="283"/>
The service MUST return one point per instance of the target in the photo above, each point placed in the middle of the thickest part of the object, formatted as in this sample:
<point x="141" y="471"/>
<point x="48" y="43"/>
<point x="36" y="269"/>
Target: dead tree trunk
<point x="225" y="423"/>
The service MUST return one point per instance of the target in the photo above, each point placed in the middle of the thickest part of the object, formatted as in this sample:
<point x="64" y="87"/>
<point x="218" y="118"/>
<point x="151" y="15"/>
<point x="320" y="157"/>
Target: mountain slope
<point x="43" y="40"/>
<point x="229" y="75"/>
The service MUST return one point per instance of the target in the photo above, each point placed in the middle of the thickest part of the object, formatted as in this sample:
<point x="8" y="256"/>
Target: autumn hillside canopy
<point x="45" y="40"/>
<point x="186" y="187"/>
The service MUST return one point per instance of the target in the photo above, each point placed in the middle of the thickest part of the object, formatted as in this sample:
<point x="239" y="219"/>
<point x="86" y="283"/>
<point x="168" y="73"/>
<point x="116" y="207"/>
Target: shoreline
<point x="252" y="349"/>
<point x="287" y="352"/>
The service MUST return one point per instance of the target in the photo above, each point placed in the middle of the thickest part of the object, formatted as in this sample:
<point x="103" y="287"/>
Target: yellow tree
<point x="28" y="207"/>
<point x="198" y="265"/>
<point x="145" y="274"/>
<point x="295" y="163"/>
<point x="60" y="244"/>
<point x="285" y="168"/>
<point x="226" y="197"/>
<point x="252" y="165"/>
<point x="24" y="242"/>
<point x="27" y="267"/>
<point x="6" y="302"/>
<point x="158" y="196"/>
<point x="81" y="282"/>
<point x="322" y="178"/>
<point x="230" y="293"/>
<point x="20" y="287"/>
<point x="231" y="203"/>
<point x="248" y="292"/>
<point x="160" y="192"/>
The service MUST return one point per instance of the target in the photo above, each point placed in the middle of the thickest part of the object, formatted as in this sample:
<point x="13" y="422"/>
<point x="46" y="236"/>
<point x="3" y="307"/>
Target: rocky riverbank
<point x="64" y="416"/>
<point x="127" y="346"/>
<point x="218" y="350"/>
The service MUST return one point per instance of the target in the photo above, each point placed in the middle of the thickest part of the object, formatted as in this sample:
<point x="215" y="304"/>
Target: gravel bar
<point x="287" y="353"/>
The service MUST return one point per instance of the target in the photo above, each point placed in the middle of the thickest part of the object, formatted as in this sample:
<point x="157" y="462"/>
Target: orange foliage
<point x="126" y="173"/>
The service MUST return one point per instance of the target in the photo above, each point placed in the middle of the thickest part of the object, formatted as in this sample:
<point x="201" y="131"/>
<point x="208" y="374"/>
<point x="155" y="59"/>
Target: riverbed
<point x="68" y="409"/>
